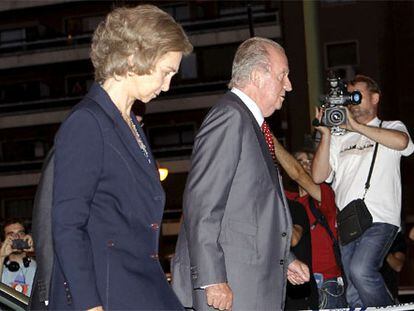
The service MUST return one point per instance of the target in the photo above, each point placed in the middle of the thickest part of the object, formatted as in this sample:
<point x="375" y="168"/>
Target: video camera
<point x="334" y="103"/>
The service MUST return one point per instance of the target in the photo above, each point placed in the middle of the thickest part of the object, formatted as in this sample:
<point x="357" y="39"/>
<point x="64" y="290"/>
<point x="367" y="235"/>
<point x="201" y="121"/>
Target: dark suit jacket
<point x="107" y="209"/>
<point x="237" y="227"/>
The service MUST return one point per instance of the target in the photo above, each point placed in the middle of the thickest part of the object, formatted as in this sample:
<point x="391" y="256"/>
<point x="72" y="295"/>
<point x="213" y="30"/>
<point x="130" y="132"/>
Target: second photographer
<point x="17" y="269"/>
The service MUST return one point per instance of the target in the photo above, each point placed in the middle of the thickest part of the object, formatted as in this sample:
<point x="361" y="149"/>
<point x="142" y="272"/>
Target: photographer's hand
<point x="29" y="240"/>
<point x="351" y="124"/>
<point x="320" y="164"/>
<point x="318" y="116"/>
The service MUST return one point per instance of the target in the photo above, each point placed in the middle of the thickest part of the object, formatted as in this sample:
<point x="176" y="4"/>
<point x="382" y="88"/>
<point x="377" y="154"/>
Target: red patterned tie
<point x="269" y="140"/>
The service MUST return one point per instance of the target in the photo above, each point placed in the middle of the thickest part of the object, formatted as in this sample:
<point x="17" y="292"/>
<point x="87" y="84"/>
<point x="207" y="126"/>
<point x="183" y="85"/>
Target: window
<point x="341" y="54"/>
<point x="336" y="2"/>
<point x="174" y="140"/>
<point x="223" y="59"/>
<point x="179" y="12"/>
<point x="20" y="208"/>
<point x="188" y="68"/>
<point x="25" y="150"/>
<point x="24" y="91"/>
<point x="343" y="58"/>
<point x="81" y="25"/>
<point x="13" y="35"/>
<point x="171" y="136"/>
<point x="89" y="24"/>
<point x="78" y="85"/>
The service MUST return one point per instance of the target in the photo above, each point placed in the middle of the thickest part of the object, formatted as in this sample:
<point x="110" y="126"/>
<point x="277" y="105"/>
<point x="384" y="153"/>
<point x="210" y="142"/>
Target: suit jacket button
<point x="154" y="256"/>
<point x="281" y="262"/>
<point x="283" y="234"/>
<point x="155" y="226"/>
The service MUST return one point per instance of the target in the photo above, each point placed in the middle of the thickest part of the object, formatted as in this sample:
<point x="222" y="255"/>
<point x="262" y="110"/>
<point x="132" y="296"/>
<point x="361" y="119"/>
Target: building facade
<point x="45" y="70"/>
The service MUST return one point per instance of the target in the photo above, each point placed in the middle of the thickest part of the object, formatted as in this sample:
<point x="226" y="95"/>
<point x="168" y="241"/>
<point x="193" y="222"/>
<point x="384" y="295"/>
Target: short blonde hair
<point x="145" y="32"/>
<point x="251" y="54"/>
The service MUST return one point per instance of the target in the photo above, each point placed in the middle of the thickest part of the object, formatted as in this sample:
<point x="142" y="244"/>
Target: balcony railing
<point x="20" y="167"/>
<point x="39" y="105"/>
<point x="238" y="19"/>
<point x="46" y="44"/>
<point x="51" y="104"/>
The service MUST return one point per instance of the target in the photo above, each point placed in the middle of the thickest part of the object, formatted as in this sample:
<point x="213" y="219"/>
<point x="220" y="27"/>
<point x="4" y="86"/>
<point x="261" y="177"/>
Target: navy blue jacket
<point x="107" y="209"/>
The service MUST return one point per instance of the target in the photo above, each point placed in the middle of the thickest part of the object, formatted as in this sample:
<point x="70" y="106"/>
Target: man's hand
<point x="29" y="240"/>
<point x="351" y="124"/>
<point x="411" y="234"/>
<point x="298" y="272"/>
<point x="297" y="232"/>
<point x="6" y="248"/>
<point x="320" y="164"/>
<point x="322" y="129"/>
<point x="219" y="296"/>
<point x="99" y="308"/>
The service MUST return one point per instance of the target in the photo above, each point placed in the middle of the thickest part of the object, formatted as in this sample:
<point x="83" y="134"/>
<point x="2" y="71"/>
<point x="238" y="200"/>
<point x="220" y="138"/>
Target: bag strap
<point x="367" y="183"/>
<point x="321" y="219"/>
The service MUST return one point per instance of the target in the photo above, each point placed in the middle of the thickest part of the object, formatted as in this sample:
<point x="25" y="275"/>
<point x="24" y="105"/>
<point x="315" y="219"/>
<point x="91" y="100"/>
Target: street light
<point x="163" y="173"/>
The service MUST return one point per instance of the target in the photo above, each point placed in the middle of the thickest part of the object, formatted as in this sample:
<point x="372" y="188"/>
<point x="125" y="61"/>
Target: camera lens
<point x="336" y="117"/>
<point x="356" y="97"/>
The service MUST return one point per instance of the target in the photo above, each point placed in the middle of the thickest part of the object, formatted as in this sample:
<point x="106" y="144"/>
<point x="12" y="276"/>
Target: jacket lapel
<point x="98" y="94"/>
<point x="260" y="138"/>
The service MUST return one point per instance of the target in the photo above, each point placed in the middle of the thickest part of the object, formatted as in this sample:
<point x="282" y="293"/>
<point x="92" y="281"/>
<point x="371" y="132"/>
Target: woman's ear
<point x="130" y="60"/>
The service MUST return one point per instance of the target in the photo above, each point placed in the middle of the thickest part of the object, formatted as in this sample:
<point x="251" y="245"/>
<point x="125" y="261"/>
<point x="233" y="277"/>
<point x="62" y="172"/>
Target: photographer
<point x="318" y="202"/>
<point x="17" y="269"/>
<point x="347" y="161"/>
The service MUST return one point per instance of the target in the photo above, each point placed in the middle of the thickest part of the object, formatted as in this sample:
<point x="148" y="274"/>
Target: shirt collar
<point x="374" y="121"/>
<point x="254" y="109"/>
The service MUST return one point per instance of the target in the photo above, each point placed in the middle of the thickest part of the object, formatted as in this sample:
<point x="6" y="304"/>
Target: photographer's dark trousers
<point x="362" y="260"/>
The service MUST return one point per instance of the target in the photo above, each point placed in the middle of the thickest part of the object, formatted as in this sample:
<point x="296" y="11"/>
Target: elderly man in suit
<point x="233" y="250"/>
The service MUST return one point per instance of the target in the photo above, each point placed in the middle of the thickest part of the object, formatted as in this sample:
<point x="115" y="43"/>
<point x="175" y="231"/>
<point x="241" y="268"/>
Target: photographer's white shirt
<point x="350" y="160"/>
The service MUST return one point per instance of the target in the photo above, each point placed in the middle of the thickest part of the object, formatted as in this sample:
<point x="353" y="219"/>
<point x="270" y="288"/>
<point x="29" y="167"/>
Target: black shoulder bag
<point x="355" y="218"/>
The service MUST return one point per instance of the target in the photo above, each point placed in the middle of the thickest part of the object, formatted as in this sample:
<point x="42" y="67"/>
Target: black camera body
<point x="20" y="244"/>
<point x="336" y="100"/>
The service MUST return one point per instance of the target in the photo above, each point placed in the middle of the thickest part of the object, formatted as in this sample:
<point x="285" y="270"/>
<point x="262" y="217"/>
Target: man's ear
<point x="375" y="98"/>
<point x="256" y="78"/>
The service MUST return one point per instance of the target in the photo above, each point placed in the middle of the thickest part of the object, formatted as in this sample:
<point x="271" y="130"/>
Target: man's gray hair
<point x="251" y="54"/>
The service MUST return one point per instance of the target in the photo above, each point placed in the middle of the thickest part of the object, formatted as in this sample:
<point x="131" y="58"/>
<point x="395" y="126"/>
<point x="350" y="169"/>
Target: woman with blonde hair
<point x="107" y="198"/>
